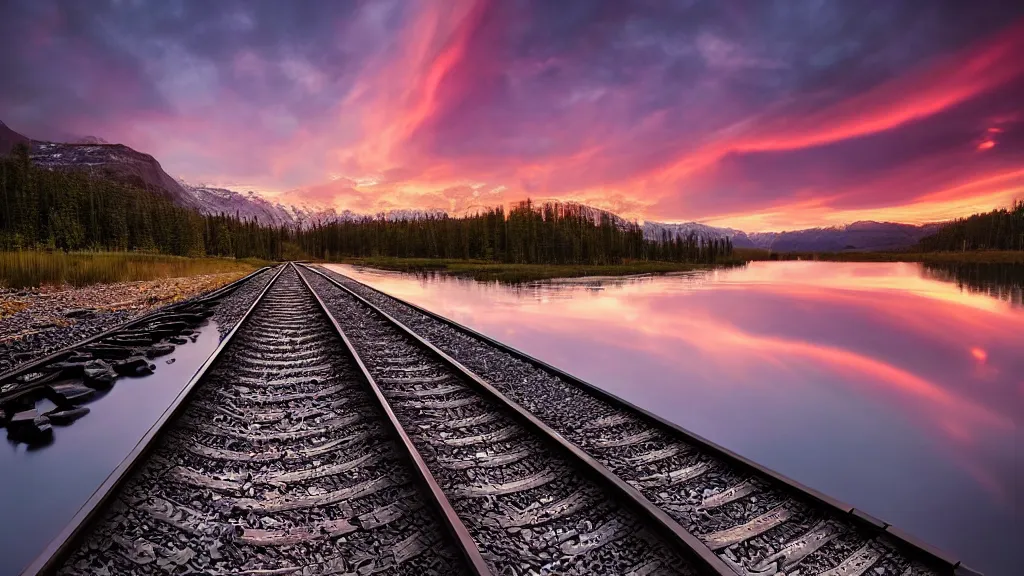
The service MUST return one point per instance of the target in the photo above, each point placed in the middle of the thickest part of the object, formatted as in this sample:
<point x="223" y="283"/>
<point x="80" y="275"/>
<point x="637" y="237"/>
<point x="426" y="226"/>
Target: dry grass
<point x="484" y="270"/>
<point x="28" y="269"/>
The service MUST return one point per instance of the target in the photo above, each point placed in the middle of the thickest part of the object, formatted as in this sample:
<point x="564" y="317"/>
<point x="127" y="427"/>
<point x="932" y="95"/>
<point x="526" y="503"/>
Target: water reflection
<point x="44" y="488"/>
<point x="1001" y="281"/>
<point x="883" y="384"/>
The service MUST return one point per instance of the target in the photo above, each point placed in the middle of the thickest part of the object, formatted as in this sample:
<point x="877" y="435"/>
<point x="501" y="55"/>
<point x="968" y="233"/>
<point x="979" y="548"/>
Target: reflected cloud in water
<point x="892" y="386"/>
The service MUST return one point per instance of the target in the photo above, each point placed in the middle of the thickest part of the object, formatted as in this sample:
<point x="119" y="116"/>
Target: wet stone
<point x="177" y="340"/>
<point x="108" y="352"/>
<point x="66" y="368"/>
<point x="30" y="430"/>
<point x="71" y="392"/>
<point x="65" y="417"/>
<point x="99" y="372"/>
<point x="159" y="350"/>
<point x="131" y="365"/>
<point x="24" y="417"/>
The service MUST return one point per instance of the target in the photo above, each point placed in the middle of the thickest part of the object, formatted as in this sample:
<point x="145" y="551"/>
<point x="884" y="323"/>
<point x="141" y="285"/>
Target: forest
<point x="1001" y="229"/>
<point x="549" y="233"/>
<point x="73" y="210"/>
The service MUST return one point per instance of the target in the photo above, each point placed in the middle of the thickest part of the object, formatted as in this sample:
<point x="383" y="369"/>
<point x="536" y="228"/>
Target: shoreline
<point x="485" y="271"/>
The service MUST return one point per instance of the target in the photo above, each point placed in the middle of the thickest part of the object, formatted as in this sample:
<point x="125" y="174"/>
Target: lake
<point x="895" y="387"/>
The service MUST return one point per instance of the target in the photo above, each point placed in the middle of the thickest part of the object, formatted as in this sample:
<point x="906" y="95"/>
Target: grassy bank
<point x="969" y="257"/>
<point x="28" y="269"/>
<point x="484" y="270"/>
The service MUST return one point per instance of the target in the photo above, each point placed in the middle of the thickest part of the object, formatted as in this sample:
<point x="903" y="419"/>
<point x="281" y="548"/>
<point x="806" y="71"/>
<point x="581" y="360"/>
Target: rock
<point x="79" y="356"/>
<point x="129" y="340"/>
<point x="67" y="368"/>
<point x="79" y="312"/>
<point x="98" y="372"/>
<point x="32" y="430"/>
<point x="23" y="417"/>
<point x="65" y="417"/>
<point x="159" y="350"/>
<point x="108" y="352"/>
<point x="177" y="340"/>
<point x="131" y="365"/>
<point x="71" y="392"/>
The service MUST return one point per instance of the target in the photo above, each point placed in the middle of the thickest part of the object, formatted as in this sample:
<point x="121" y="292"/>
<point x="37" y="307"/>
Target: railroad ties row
<point x="66" y="381"/>
<point x="280" y="463"/>
<point x="529" y="507"/>
<point x="755" y="524"/>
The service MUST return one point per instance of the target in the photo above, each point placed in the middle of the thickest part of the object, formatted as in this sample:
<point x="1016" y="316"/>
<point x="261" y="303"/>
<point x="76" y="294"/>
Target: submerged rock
<point x="159" y="350"/>
<point x="29" y="427"/>
<point x="131" y="365"/>
<point x="65" y="417"/>
<point x="71" y="392"/>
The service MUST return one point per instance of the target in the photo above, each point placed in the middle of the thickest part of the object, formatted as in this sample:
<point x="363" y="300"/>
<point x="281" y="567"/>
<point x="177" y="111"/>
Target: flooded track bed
<point x="280" y="462"/>
<point x="754" y="520"/>
<point x="531" y="508"/>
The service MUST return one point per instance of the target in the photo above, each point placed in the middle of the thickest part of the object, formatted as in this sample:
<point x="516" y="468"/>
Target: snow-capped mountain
<point x="90" y="140"/>
<point x="866" y="235"/>
<point x="115" y="161"/>
<point x="703" y="232"/>
<point x="122" y="163"/>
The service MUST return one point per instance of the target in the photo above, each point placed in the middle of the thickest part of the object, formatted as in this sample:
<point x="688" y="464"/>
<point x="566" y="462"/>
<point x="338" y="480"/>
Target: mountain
<point x="128" y="165"/>
<point x="90" y="140"/>
<point x="9" y="139"/>
<point x="866" y="235"/>
<point x="115" y="161"/>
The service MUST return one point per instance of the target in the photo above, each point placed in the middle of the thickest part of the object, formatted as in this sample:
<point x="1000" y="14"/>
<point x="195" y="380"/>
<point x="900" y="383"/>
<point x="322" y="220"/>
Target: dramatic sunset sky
<point x="752" y="114"/>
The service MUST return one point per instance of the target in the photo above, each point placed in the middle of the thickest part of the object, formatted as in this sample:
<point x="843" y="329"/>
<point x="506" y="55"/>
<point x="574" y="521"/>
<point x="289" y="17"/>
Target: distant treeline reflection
<point x="1001" y="281"/>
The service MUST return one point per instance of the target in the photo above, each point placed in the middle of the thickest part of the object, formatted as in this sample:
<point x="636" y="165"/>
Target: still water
<point x="896" y="388"/>
<point x="42" y="489"/>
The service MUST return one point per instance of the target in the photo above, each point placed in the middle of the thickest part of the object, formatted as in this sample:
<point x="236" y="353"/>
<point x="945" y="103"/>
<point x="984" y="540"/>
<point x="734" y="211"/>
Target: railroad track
<point x="755" y="520"/>
<point x="277" y="460"/>
<point x="532" y="503"/>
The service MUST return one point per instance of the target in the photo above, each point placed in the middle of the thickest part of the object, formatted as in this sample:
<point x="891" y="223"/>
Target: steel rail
<point x="49" y="560"/>
<point x="31" y="365"/>
<point x="691" y="547"/>
<point x="467" y="546"/>
<point x="947" y="563"/>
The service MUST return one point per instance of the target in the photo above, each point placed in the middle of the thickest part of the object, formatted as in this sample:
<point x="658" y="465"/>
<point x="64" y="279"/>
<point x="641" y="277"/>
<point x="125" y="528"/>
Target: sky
<point x="752" y="114"/>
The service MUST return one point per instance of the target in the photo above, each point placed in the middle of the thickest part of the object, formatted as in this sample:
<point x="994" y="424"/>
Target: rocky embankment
<point x="40" y="321"/>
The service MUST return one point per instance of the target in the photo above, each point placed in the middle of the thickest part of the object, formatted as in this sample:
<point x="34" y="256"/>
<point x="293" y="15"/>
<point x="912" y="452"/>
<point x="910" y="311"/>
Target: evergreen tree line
<point x="73" y="210"/>
<point x="550" y="233"/>
<point x="1001" y="229"/>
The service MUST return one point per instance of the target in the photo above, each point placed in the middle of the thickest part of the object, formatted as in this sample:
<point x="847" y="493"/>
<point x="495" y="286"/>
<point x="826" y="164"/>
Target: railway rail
<point x="752" y="518"/>
<point x="339" y="430"/>
<point x="276" y="459"/>
<point x="533" y="503"/>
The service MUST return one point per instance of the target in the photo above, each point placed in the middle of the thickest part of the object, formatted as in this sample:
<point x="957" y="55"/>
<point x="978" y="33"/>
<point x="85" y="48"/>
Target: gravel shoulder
<point x="40" y="321"/>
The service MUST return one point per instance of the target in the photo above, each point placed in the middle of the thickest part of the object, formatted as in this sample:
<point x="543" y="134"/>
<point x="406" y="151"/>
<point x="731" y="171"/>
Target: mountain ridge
<point x="123" y="163"/>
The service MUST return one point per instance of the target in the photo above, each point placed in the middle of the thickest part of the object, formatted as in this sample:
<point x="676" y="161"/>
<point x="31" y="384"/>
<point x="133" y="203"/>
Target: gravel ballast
<point x="38" y="322"/>
<point x="531" y="509"/>
<point x="753" y="523"/>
